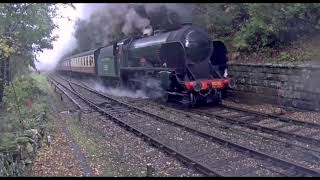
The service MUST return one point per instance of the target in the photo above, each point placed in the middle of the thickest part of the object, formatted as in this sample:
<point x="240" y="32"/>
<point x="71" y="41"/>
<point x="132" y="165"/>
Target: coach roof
<point x="83" y="54"/>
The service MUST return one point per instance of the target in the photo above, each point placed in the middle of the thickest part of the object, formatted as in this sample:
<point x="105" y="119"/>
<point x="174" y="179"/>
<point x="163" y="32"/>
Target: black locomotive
<point x="187" y="64"/>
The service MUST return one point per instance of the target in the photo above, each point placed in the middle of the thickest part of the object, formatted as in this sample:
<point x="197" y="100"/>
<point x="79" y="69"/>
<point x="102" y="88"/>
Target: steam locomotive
<point x="184" y="61"/>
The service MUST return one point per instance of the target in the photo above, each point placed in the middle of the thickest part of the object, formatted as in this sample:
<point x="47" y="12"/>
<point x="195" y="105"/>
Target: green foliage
<point x="221" y="20"/>
<point x="259" y="25"/>
<point x="25" y="30"/>
<point x="27" y="98"/>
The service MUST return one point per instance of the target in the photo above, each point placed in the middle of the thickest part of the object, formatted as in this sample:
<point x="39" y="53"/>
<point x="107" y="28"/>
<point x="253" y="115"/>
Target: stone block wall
<point x="293" y="86"/>
<point x="17" y="159"/>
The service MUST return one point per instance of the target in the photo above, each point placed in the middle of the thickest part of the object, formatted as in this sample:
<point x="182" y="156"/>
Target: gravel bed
<point x="91" y="96"/>
<point x="270" y="124"/>
<point x="169" y="138"/>
<point x="70" y="105"/>
<point x="295" y="129"/>
<point x="255" y="142"/>
<point x="307" y="116"/>
<point x="85" y="93"/>
<point x="312" y="117"/>
<point x="137" y="153"/>
<point x="197" y="142"/>
<point x="229" y="114"/>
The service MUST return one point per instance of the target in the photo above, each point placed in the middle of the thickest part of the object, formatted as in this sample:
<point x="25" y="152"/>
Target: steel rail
<point x="288" y="135"/>
<point x="170" y="150"/>
<point x="258" y="154"/>
<point x="283" y="119"/>
<point x="223" y="126"/>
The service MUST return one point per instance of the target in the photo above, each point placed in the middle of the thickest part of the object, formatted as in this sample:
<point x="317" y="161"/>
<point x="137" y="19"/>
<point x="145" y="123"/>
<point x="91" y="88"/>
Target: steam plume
<point x="105" y="23"/>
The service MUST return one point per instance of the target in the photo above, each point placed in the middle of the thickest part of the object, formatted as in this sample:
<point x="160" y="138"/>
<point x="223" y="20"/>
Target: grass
<point x="18" y="114"/>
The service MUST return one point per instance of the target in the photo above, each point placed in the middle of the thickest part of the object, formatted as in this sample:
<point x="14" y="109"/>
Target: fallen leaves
<point x="57" y="160"/>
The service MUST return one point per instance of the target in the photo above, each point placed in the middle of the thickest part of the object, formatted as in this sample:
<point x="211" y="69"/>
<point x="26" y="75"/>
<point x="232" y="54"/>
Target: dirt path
<point x="63" y="157"/>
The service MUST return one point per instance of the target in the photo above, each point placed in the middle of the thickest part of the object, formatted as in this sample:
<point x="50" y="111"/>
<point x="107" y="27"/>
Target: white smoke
<point x="119" y="92"/>
<point x="132" y="21"/>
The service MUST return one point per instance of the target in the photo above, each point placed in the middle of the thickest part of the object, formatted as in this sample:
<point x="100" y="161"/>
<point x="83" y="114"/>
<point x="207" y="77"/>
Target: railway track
<point x="197" y="148"/>
<point x="295" y="130"/>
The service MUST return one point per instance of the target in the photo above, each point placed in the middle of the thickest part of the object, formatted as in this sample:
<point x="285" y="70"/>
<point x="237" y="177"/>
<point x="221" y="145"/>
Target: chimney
<point x="148" y="31"/>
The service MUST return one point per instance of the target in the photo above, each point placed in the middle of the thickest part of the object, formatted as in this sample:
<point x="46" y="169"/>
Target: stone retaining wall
<point x="293" y="86"/>
<point x="16" y="159"/>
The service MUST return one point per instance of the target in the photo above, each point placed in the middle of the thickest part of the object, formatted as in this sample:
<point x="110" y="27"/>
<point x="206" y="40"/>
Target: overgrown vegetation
<point x="26" y="29"/>
<point x="263" y="28"/>
<point x="25" y="100"/>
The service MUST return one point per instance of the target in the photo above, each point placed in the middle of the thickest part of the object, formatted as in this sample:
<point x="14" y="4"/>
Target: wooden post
<point x="79" y="115"/>
<point x="2" y="80"/>
<point x="149" y="170"/>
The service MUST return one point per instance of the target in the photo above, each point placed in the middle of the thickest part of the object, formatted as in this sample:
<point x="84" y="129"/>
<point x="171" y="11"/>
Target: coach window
<point x="87" y="59"/>
<point x="91" y="60"/>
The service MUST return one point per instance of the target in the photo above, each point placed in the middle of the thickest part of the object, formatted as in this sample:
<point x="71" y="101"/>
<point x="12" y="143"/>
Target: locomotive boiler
<point x="181" y="61"/>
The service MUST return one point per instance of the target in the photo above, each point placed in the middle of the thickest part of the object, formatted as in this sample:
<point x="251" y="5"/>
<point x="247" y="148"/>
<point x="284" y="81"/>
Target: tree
<point x="25" y="30"/>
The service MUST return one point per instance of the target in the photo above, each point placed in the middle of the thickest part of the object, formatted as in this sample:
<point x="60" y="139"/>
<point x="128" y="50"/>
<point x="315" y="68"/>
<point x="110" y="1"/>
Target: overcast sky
<point x="49" y="57"/>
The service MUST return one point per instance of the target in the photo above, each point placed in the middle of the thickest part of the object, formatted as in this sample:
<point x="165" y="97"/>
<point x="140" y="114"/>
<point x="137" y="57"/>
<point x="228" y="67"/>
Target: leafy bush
<point x="259" y="25"/>
<point x="24" y="100"/>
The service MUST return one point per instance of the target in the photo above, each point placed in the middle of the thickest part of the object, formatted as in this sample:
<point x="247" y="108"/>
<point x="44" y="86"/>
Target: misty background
<point x="90" y="26"/>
